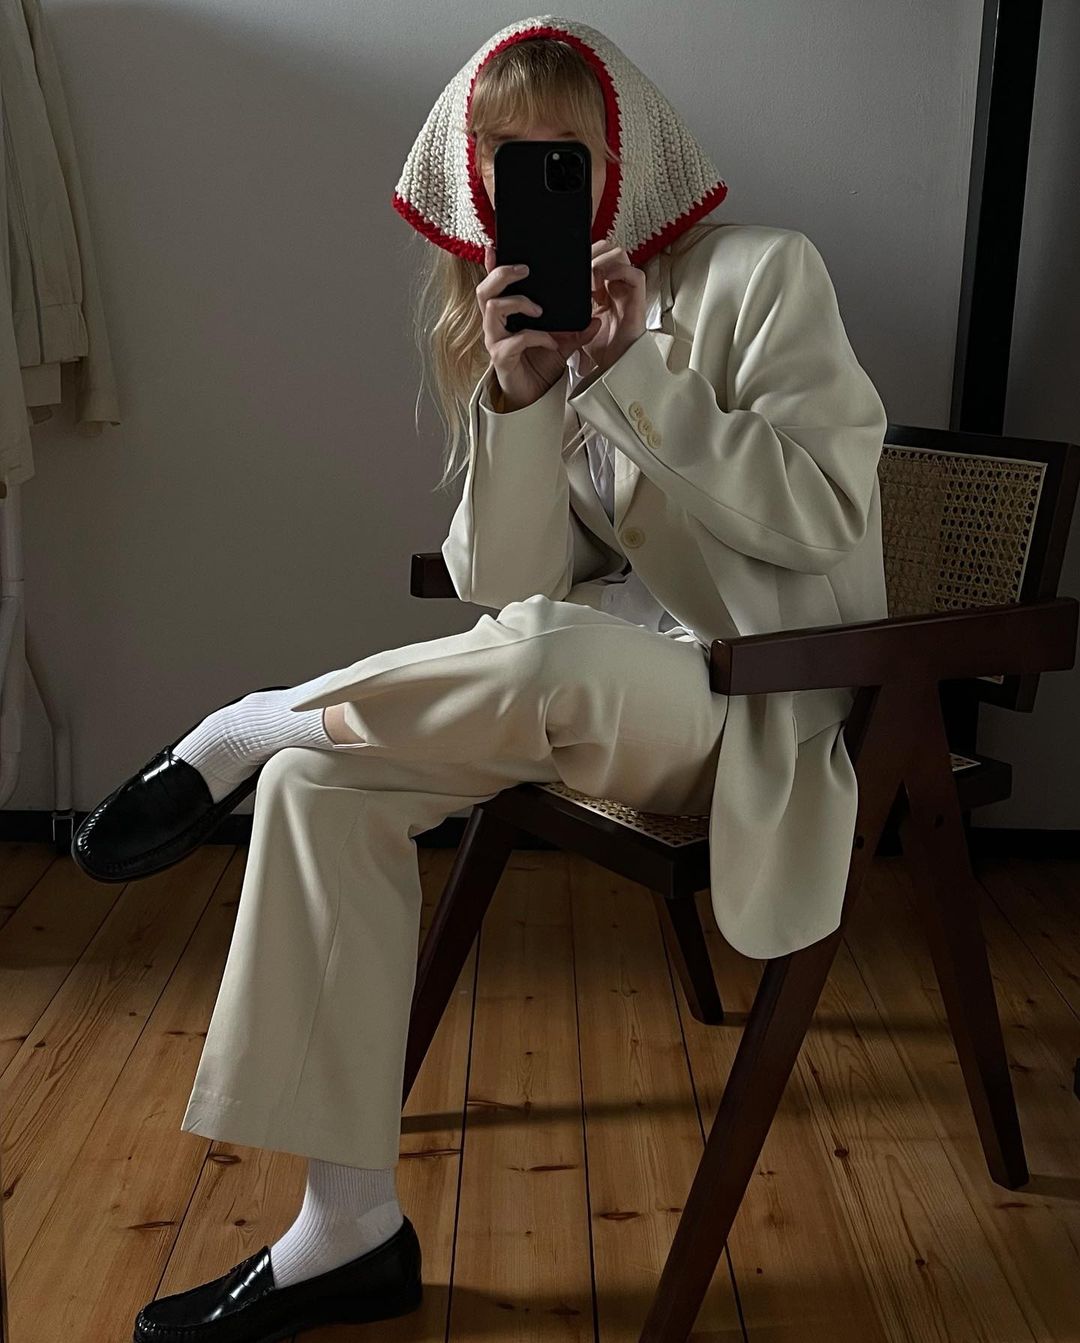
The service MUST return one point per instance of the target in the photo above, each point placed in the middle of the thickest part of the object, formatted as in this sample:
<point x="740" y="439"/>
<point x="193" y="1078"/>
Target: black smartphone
<point x="543" y="217"/>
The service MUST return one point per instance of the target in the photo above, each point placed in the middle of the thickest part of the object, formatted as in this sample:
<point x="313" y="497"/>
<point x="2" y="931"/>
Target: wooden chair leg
<point x="685" y="939"/>
<point x="783" y="1007"/>
<point x="481" y="858"/>
<point x="935" y="848"/>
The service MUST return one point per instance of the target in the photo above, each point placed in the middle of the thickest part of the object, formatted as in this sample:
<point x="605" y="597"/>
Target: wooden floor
<point x="552" y="1136"/>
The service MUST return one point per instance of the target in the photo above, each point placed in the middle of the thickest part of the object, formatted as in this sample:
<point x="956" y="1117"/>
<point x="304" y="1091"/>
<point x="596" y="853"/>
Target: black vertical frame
<point x="1008" y="58"/>
<point x="1008" y="61"/>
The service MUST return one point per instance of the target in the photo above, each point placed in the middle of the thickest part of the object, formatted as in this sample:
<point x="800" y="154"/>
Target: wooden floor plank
<point x="52" y="914"/>
<point x="116" y="1219"/>
<point x="522" y="1266"/>
<point x="21" y="868"/>
<point x="1040" y="898"/>
<point x="1031" y="1234"/>
<point x="56" y="1085"/>
<point x="925" y="1255"/>
<point x="643" y="1132"/>
<point x="795" y="1253"/>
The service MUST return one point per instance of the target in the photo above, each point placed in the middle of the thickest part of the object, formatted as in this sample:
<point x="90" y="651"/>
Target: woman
<point x="731" y="454"/>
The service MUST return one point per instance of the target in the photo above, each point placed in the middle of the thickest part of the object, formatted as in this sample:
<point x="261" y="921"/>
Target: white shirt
<point x="628" y="596"/>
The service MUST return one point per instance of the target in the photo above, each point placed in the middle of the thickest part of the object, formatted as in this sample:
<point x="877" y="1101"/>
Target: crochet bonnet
<point x="665" y="183"/>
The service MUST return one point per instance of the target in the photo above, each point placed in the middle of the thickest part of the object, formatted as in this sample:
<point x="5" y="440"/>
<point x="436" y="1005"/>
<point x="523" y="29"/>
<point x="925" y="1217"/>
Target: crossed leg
<point x="305" y="1050"/>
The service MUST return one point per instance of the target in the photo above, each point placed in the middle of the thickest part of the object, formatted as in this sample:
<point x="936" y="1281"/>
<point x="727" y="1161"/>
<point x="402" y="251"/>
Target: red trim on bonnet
<point x="672" y="230"/>
<point x="605" y="214"/>
<point x="470" y="250"/>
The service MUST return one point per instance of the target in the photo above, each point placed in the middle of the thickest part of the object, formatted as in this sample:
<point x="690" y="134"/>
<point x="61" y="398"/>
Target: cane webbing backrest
<point x="957" y="528"/>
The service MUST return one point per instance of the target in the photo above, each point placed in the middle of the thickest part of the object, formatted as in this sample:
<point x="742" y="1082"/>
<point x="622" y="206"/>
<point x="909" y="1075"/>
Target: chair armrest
<point x="982" y="641"/>
<point x="429" y="576"/>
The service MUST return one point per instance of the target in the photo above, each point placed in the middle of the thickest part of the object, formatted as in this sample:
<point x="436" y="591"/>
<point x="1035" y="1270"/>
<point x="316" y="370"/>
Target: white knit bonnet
<point x="666" y="182"/>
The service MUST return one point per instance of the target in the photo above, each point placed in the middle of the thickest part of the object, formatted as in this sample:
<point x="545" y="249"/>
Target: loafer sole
<point x="365" y="1311"/>
<point x="242" y="1306"/>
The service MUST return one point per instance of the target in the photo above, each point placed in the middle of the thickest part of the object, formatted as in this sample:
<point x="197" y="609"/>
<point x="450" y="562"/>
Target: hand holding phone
<point x="527" y="363"/>
<point x="620" y="303"/>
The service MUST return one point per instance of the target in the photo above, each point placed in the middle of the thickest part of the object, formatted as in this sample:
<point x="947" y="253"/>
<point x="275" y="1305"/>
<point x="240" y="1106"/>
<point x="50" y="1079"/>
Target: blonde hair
<point x="528" y="82"/>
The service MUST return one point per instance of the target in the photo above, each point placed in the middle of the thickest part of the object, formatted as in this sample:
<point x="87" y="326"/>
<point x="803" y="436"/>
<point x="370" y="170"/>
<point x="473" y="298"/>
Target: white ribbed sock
<point x="347" y="1211"/>
<point x="233" y="741"/>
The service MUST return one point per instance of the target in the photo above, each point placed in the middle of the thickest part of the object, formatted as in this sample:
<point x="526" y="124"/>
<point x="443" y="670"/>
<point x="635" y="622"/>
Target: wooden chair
<point x="975" y="528"/>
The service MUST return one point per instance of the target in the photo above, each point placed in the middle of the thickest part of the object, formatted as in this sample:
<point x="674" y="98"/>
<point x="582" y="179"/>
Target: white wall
<point x="251" y="521"/>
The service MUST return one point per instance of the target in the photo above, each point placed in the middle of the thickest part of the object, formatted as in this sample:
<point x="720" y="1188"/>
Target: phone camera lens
<point x="564" y="171"/>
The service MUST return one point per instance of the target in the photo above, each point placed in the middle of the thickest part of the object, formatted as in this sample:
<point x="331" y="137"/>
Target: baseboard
<point x="36" y="827"/>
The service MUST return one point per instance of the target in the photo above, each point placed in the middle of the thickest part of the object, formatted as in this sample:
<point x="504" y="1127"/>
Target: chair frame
<point x="896" y="739"/>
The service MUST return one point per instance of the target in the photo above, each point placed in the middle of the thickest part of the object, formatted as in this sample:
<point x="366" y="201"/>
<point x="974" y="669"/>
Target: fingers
<point x="496" y="310"/>
<point x="526" y="338"/>
<point x="568" y="341"/>
<point x="629" y="276"/>
<point x="608" y="247"/>
<point x="497" y="278"/>
<point x="609" y="267"/>
<point x="613" y="273"/>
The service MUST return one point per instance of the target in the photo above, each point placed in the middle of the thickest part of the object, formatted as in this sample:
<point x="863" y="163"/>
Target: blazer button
<point x="636" y="409"/>
<point x="653" y="438"/>
<point x="632" y="536"/>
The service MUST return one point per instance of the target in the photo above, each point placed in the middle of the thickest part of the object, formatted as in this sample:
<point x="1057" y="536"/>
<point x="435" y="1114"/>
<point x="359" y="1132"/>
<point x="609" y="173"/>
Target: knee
<point x="550" y="662"/>
<point x="549" y="652"/>
<point x="286" y="767"/>
<point x="533" y="612"/>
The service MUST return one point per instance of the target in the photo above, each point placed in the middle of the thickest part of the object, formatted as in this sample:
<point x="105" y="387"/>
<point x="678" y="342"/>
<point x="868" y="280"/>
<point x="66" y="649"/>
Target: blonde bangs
<point x="535" y="82"/>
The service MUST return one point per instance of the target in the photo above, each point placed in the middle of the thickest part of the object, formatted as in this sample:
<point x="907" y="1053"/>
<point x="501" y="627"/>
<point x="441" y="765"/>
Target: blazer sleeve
<point x="513" y="533"/>
<point x="787" y="474"/>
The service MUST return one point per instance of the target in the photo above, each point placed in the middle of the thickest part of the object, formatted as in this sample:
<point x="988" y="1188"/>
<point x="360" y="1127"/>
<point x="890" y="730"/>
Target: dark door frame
<point x="1008" y="59"/>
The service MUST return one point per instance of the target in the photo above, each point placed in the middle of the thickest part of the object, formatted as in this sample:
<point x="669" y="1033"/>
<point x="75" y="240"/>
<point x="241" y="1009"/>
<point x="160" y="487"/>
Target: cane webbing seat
<point x="675" y="830"/>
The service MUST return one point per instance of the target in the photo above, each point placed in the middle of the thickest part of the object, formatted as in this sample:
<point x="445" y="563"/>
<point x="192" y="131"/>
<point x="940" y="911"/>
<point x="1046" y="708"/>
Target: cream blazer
<point x="746" y="494"/>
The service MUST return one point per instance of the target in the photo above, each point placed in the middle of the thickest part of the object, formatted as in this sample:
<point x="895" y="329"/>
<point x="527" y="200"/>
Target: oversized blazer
<point x="746" y="495"/>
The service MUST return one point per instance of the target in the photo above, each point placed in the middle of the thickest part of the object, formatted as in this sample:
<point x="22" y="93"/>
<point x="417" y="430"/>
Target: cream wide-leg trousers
<point x="305" y="1051"/>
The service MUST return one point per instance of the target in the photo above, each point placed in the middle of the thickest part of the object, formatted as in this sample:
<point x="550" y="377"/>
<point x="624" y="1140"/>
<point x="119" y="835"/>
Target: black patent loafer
<point x="244" y="1306"/>
<point x="155" y="818"/>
